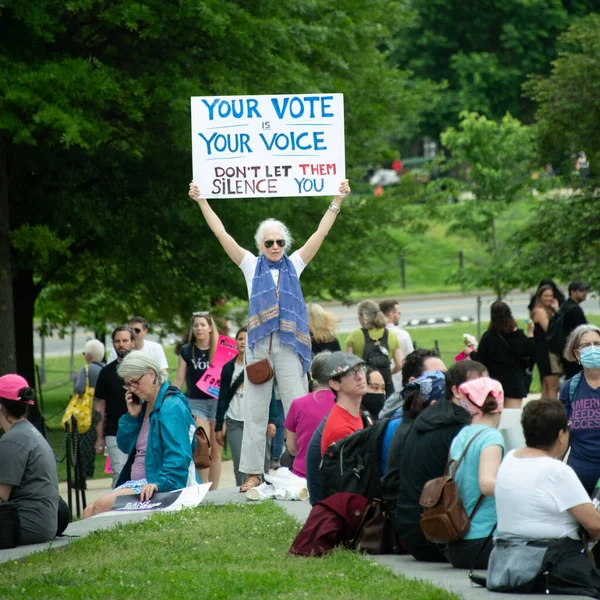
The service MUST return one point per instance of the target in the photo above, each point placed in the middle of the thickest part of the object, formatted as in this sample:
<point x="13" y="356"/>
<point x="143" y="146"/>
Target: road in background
<point x="414" y="309"/>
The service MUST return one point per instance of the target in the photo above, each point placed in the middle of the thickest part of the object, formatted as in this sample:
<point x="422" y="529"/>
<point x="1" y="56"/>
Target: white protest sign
<point x="256" y="146"/>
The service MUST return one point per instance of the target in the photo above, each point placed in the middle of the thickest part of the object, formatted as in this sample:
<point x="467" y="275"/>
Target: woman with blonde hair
<point x="322" y="326"/>
<point x="194" y="358"/>
<point x="376" y="344"/>
<point x="549" y="364"/>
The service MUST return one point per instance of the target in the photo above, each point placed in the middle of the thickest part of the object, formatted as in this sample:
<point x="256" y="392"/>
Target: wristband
<point x="333" y="207"/>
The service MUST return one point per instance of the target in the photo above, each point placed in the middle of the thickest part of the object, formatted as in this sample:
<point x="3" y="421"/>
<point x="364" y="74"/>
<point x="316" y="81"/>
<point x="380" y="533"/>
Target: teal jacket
<point x="171" y="440"/>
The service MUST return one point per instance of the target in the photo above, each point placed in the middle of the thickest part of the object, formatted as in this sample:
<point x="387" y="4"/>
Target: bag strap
<point x="485" y="543"/>
<point x="235" y="384"/>
<point x="277" y="294"/>
<point x="87" y="376"/>
<point x="476" y="507"/>
<point x="457" y="463"/>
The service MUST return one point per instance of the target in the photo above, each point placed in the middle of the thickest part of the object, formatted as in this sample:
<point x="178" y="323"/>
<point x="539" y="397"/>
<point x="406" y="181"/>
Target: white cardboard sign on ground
<point x="166" y="501"/>
<point x="256" y="146"/>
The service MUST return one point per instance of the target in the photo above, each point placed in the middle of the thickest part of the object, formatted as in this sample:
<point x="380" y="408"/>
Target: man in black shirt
<point x="573" y="317"/>
<point x="109" y="401"/>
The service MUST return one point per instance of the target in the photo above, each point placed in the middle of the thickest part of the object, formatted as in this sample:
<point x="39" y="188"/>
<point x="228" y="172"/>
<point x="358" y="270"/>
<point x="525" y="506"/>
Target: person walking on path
<point x="230" y="408"/>
<point x="277" y="318"/>
<point x="140" y="327"/>
<point x="194" y="359"/>
<point x="573" y="318"/>
<point x="507" y="352"/>
<point x="93" y="352"/>
<point x="376" y="344"/>
<point x="391" y="310"/>
<point x="109" y="401"/>
<point x="549" y="364"/>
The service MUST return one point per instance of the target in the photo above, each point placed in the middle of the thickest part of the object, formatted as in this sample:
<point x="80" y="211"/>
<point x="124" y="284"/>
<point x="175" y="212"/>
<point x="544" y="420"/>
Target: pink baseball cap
<point x="16" y="388"/>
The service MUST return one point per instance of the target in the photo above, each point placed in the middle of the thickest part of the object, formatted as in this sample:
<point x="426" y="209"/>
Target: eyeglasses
<point x="134" y="384"/>
<point x="588" y="344"/>
<point x="356" y="372"/>
<point x="269" y="243"/>
<point x="137" y="329"/>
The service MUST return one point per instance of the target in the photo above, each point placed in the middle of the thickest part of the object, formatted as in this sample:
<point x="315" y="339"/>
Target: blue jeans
<point x="277" y="442"/>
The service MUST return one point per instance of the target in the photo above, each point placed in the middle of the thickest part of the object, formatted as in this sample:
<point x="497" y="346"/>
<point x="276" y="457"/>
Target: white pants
<point x="292" y="384"/>
<point x="117" y="458"/>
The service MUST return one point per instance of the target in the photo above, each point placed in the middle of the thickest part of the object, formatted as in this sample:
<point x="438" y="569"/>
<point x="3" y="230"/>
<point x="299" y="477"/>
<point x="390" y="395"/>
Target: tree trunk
<point x="8" y="351"/>
<point x="25" y="293"/>
<point x="498" y="283"/>
<point x="72" y="352"/>
<point x="42" y="359"/>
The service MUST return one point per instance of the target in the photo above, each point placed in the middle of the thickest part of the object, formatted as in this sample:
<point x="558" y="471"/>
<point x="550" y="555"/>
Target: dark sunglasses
<point x="269" y="243"/>
<point x="137" y="329"/>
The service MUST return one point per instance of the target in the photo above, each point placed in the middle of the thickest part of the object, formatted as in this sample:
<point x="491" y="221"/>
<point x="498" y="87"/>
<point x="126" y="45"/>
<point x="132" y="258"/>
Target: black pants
<point x="465" y="554"/>
<point x="420" y="548"/>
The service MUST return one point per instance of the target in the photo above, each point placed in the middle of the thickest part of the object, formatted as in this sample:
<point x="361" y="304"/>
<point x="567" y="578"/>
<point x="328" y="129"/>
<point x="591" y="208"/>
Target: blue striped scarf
<point x="281" y="309"/>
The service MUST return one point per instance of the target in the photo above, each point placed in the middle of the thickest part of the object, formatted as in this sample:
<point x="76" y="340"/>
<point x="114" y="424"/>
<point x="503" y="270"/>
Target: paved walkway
<point x="440" y="575"/>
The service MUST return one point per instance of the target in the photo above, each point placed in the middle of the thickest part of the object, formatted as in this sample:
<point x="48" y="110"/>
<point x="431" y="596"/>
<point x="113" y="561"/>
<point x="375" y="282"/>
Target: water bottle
<point x="596" y="496"/>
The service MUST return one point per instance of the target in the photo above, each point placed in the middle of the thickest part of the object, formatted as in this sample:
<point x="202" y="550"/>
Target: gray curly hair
<point x="269" y="225"/>
<point x="575" y="339"/>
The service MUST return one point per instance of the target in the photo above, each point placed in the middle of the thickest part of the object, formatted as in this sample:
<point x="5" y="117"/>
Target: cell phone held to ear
<point x="135" y="398"/>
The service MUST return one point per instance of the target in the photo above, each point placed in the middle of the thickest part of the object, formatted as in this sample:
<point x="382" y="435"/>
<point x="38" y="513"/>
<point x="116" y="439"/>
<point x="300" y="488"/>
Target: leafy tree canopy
<point x="493" y="161"/>
<point x="483" y="50"/>
<point x="95" y="153"/>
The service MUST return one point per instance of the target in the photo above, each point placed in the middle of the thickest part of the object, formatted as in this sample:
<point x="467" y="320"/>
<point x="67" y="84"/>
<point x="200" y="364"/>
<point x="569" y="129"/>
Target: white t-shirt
<point x="235" y="409"/>
<point x="533" y="496"/>
<point x="249" y="262"/>
<point x="406" y="345"/>
<point x="152" y="348"/>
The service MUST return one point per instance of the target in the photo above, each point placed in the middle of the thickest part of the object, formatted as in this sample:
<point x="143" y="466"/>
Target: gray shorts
<point x="204" y="409"/>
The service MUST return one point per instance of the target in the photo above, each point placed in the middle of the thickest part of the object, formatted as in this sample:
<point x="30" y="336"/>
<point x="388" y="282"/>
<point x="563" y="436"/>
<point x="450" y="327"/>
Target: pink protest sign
<point x="210" y="382"/>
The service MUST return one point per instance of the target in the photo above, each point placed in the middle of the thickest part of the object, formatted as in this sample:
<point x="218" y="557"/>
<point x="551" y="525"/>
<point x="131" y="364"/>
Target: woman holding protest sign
<point x="278" y="334"/>
<point x="194" y="358"/>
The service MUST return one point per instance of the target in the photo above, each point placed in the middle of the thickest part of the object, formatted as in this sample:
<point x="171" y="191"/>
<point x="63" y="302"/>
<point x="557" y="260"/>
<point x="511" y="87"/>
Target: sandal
<point x="252" y="482"/>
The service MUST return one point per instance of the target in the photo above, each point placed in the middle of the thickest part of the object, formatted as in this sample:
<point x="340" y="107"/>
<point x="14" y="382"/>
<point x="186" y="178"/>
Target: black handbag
<point x="10" y="525"/>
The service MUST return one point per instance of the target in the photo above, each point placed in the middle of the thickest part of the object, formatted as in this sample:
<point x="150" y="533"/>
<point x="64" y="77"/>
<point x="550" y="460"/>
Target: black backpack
<point x="352" y="463"/>
<point x="377" y="355"/>
<point x="555" y="334"/>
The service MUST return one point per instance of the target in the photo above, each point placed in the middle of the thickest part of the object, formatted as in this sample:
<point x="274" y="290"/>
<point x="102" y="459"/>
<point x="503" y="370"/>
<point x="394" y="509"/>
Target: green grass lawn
<point x="58" y="387"/>
<point x="222" y="552"/>
<point x="431" y="258"/>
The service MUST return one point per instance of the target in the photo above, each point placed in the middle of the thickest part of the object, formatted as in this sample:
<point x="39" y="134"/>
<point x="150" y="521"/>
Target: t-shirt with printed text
<point x="584" y="416"/>
<point x="197" y="362"/>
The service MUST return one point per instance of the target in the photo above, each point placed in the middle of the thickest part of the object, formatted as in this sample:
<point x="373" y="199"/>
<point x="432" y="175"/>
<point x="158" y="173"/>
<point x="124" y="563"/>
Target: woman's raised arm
<point x="308" y="251"/>
<point x="235" y="252"/>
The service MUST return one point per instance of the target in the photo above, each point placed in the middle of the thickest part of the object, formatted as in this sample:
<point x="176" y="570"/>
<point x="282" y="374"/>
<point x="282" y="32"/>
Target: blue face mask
<point x="590" y="357"/>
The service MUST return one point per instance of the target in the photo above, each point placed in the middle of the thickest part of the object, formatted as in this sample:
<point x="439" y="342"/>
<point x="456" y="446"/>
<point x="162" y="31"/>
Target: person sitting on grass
<point x="27" y="467"/>
<point x="157" y="433"/>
